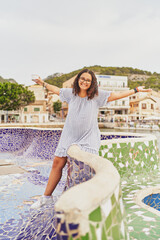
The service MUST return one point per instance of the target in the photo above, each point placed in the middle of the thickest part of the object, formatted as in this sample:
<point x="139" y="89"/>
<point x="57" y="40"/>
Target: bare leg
<point x="55" y="174"/>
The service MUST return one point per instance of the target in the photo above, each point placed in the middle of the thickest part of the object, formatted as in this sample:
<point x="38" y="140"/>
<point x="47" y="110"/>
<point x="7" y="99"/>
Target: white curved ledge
<point x="80" y="200"/>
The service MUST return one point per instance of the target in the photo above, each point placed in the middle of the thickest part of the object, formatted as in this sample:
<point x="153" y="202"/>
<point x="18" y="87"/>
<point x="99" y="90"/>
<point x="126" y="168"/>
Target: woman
<point x="81" y="125"/>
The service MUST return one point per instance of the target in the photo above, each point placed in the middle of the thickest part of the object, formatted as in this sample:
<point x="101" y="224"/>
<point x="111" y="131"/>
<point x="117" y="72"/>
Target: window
<point x="123" y="103"/>
<point x="102" y="112"/>
<point x="36" y="109"/>
<point x="135" y="105"/>
<point x="152" y="107"/>
<point x="144" y="106"/>
<point x="25" y="109"/>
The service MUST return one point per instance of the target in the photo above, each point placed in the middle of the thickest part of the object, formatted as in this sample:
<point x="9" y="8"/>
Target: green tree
<point x="14" y="96"/>
<point x="57" y="106"/>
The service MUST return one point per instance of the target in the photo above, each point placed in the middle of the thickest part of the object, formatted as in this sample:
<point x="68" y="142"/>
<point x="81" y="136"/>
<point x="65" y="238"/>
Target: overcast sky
<point x="47" y="36"/>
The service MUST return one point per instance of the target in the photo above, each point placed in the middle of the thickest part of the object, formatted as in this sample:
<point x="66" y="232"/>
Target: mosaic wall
<point x="28" y="147"/>
<point x="132" y="157"/>
<point x="142" y="223"/>
<point x="31" y="143"/>
<point x="105" y="222"/>
<point x="138" y="164"/>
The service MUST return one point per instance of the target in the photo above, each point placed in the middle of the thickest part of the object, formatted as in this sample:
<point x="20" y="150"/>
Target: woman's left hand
<point x="142" y="89"/>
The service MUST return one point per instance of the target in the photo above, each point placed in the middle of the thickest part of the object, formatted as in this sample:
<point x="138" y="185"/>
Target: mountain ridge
<point x="11" y="80"/>
<point x="136" y="77"/>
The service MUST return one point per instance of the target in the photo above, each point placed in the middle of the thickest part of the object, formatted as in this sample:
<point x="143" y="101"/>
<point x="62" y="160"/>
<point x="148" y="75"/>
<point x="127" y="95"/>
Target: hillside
<point x="2" y="80"/>
<point x="135" y="76"/>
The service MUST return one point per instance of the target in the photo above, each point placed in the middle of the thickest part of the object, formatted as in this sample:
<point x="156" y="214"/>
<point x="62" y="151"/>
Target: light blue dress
<point x="81" y="125"/>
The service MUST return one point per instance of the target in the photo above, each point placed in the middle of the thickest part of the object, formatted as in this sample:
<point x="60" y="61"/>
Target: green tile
<point x="112" y="160"/>
<point x="149" y="214"/>
<point x="114" y="145"/>
<point x="103" y="234"/>
<point x="100" y="153"/>
<point x="93" y="232"/>
<point x="119" y="215"/>
<point x="101" y="147"/>
<point x="97" y="226"/>
<point x="120" y="193"/>
<point x="86" y="237"/>
<point x="143" y="236"/>
<point x="116" y="232"/>
<point x="125" y="151"/>
<point x="114" y="213"/>
<point x="96" y="216"/>
<point x="122" y="145"/>
<point x="108" y="221"/>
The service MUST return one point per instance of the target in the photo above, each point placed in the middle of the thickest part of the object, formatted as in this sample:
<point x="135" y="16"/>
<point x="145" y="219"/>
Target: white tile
<point x="136" y="162"/>
<point x="130" y="229"/>
<point x="109" y="146"/>
<point x="121" y="206"/>
<point x="110" y="155"/>
<point x="155" y="167"/>
<point x="148" y="219"/>
<point x="146" y="143"/>
<point x="140" y="147"/>
<point x="118" y="145"/>
<point x="106" y="207"/>
<point x="99" y="233"/>
<point x="122" y="228"/>
<point x="139" y="213"/>
<point x="117" y="193"/>
<point x="121" y="165"/>
<point x="146" y="155"/>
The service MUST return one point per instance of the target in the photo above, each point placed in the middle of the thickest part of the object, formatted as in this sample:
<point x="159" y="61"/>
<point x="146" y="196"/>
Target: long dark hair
<point x="93" y="90"/>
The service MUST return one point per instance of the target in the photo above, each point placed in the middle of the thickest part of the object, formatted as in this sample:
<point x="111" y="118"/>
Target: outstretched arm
<point x="118" y="95"/>
<point x="49" y="87"/>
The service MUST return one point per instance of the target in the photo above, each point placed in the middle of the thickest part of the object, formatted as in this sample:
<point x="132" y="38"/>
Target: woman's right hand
<point x="38" y="80"/>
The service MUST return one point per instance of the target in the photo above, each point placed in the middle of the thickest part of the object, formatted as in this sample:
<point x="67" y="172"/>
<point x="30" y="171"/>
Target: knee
<point x="58" y="164"/>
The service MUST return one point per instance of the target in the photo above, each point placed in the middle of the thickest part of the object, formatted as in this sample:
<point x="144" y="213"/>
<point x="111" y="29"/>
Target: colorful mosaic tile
<point x="33" y="150"/>
<point x="132" y="158"/>
<point x="153" y="200"/>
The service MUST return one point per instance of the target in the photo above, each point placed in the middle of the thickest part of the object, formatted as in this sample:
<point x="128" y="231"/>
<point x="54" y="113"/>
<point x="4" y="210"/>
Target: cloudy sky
<point x="47" y="36"/>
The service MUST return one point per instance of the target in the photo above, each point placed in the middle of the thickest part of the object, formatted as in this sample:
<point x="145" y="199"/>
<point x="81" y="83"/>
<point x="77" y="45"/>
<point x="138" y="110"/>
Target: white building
<point x="118" y="109"/>
<point x="36" y="112"/>
<point x="144" y="105"/>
